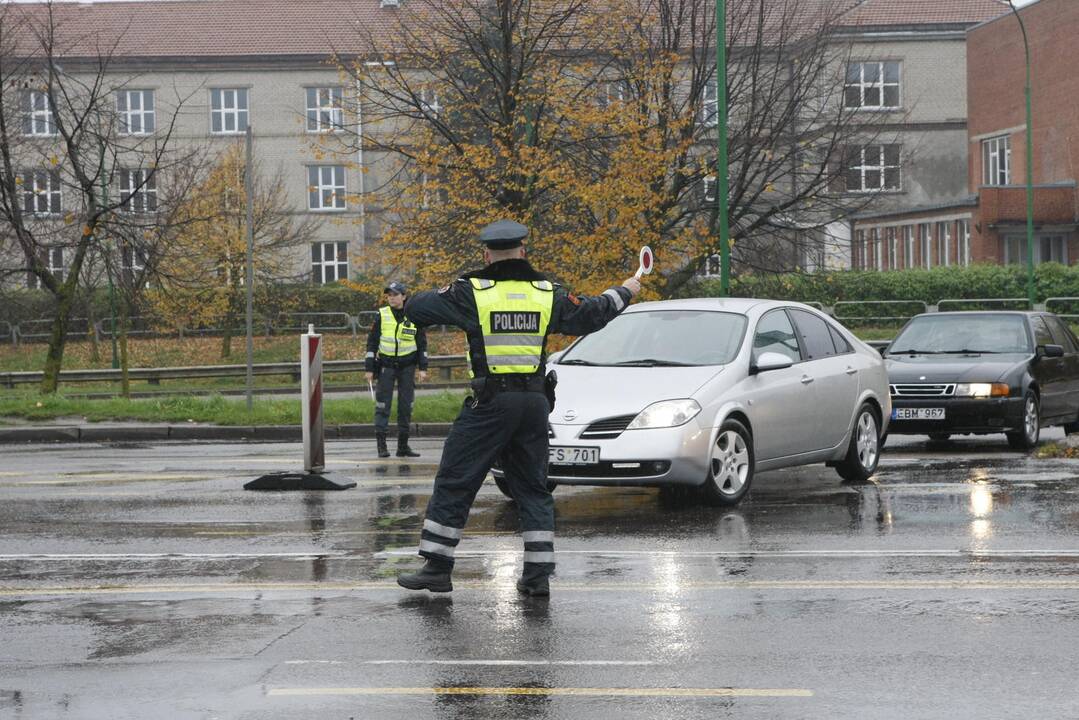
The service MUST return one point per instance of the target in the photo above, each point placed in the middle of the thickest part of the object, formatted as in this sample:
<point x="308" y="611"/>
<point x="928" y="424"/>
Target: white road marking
<point x="164" y="556"/>
<point x="957" y="553"/>
<point x="493" y="663"/>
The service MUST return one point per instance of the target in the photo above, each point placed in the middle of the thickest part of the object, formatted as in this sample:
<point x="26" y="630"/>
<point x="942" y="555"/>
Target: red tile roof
<point x="192" y="29"/>
<point x="878" y="13"/>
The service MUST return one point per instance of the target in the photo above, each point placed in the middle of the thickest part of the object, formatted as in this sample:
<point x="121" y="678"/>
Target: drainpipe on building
<point x="1031" y="295"/>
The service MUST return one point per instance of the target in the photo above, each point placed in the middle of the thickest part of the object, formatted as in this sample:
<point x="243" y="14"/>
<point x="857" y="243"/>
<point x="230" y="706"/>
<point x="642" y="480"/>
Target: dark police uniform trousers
<point x="402" y="371"/>
<point x="509" y="426"/>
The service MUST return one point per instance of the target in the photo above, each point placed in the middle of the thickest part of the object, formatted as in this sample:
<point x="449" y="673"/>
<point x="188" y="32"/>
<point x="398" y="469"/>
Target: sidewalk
<point x="125" y="432"/>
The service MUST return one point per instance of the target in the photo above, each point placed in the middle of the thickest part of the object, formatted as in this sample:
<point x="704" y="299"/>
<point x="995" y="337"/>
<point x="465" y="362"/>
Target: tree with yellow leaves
<point x="595" y="124"/>
<point x="199" y="274"/>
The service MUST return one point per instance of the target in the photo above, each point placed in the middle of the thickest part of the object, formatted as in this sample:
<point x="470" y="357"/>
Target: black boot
<point x="433" y="576"/>
<point x="380" y="439"/>
<point x="534" y="582"/>
<point x="403" y="450"/>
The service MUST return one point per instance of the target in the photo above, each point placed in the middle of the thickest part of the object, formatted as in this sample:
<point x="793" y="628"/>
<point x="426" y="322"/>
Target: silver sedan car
<point x="705" y="392"/>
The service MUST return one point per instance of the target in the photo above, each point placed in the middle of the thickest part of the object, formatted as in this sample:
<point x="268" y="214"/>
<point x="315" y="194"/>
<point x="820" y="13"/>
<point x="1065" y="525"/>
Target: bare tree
<point x="68" y="163"/>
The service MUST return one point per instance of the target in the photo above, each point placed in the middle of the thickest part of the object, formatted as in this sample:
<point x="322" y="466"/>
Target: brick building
<point x="989" y="223"/>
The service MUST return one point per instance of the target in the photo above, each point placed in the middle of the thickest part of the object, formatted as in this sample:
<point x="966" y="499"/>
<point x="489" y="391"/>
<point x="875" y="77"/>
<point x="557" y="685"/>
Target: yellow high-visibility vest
<point x="514" y="316"/>
<point x="397" y="338"/>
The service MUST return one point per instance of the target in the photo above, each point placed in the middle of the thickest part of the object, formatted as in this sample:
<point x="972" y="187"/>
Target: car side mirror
<point x="1051" y="351"/>
<point x="770" y="361"/>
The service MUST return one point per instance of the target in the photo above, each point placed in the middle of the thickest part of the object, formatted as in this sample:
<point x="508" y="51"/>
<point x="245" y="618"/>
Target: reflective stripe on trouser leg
<point x="539" y="552"/>
<point x="438" y="542"/>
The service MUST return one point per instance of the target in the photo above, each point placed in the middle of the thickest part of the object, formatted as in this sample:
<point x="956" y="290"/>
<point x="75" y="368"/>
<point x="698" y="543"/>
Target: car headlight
<point x="982" y="390"/>
<point x="666" y="413"/>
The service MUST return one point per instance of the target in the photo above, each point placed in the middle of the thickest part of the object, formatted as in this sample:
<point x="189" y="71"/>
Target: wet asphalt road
<point x="140" y="581"/>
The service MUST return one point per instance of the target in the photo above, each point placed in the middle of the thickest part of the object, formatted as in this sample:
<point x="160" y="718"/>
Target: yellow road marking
<point x="559" y="588"/>
<point x="555" y="691"/>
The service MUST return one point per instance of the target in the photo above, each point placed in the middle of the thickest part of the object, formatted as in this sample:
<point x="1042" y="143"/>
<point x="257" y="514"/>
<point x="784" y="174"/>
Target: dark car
<point x="984" y="372"/>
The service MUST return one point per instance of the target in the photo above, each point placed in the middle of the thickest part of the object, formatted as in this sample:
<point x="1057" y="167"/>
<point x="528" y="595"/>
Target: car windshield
<point x="659" y="338"/>
<point x="945" y="334"/>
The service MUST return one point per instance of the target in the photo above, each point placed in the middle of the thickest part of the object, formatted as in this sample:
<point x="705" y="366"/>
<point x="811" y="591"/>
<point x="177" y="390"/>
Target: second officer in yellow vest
<point x="395" y="348"/>
<point x="507" y="310"/>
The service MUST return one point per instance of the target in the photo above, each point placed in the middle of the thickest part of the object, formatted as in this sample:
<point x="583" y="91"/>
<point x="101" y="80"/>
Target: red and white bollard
<point x="314" y="437"/>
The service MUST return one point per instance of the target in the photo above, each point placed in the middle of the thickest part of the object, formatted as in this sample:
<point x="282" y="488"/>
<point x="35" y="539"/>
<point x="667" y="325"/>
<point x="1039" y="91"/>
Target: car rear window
<point x="981" y="333"/>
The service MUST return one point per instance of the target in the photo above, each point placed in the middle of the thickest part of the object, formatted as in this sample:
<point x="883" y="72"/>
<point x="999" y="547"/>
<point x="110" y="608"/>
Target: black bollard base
<point x="295" y="481"/>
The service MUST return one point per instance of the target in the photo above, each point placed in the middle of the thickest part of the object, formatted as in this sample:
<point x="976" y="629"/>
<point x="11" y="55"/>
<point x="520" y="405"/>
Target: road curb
<point x="232" y="433"/>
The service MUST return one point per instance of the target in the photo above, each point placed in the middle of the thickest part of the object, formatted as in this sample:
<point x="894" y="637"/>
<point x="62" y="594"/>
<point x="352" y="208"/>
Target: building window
<point x="228" y="111"/>
<point x="41" y="193"/>
<point x="708" y="188"/>
<point x="712" y="267"/>
<point x="324" y="109"/>
<point x="944" y="243"/>
<point x="893" y="248"/>
<point x="429" y="102"/>
<point x="1047" y="248"/>
<point x="925" y="246"/>
<point x="878" y="254"/>
<point x="908" y="246"/>
<point x="138" y="191"/>
<point x="329" y="262"/>
<point x="616" y="91"/>
<point x="136" y="111"/>
<point x="873" y="168"/>
<point x="709" y="105"/>
<point x="997" y="161"/>
<point x="53" y="259"/>
<point x="132" y="263"/>
<point x="863" y="252"/>
<point x="872" y="85"/>
<point x="326" y="187"/>
<point x="38" y="117"/>
<point x="964" y="242"/>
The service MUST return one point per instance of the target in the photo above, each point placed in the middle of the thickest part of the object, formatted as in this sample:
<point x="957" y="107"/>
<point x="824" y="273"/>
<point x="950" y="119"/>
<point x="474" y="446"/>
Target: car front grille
<point x="607" y="428"/>
<point x="923" y="390"/>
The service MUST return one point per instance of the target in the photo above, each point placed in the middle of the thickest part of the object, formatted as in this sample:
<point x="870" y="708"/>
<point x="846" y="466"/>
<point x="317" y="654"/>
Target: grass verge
<point x="441" y="407"/>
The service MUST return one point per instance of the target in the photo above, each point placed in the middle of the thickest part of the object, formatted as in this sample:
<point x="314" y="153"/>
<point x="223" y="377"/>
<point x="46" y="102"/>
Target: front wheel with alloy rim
<point x="730" y="465"/>
<point x="863" y="453"/>
<point x="1027" y="438"/>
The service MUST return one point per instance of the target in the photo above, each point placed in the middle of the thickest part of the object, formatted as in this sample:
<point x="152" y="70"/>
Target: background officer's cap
<point x="397" y="288"/>
<point x="503" y="235"/>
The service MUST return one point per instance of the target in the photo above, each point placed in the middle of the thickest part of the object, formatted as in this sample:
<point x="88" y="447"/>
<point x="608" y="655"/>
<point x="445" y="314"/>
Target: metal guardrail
<point x="986" y="301"/>
<point x="444" y="363"/>
<point x="323" y="321"/>
<point x="1071" y="301"/>
<point x="836" y="309"/>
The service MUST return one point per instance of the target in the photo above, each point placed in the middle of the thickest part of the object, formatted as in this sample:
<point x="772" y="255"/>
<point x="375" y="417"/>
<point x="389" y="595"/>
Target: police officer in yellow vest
<point x="507" y="309"/>
<point x="395" y="347"/>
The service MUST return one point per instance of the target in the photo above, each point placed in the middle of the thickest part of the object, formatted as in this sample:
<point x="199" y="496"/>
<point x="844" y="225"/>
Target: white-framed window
<point x="710" y="104"/>
<point x="863" y="250"/>
<point x="329" y="262"/>
<point x="132" y="263"/>
<point x="228" y="111"/>
<point x="324" y="109"/>
<point x="873" y="85"/>
<point x="997" y="161"/>
<point x="893" y="248"/>
<point x="326" y="187"/>
<point x="136" y="111"/>
<point x="925" y="246"/>
<point x="908" y="246"/>
<point x="711" y="267"/>
<point x="878" y="254"/>
<point x="1047" y="248"/>
<point x="138" y="191"/>
<point x="613" y="92"/>
<point x="41" y="193"/>
<point x="53" y="258"/>
<point x="38" y="118"/>
<point x="964" y="242"/>
<point x="873" y="168"/>
<point x="944" y="243"/>
<point x="429" y="101"/>
<point x="708" y="188"/>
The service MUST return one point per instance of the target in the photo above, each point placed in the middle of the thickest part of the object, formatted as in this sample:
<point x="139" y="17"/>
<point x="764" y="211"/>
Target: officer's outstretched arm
<point x="452" y="305"/>
<point x="575" y="315"/>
